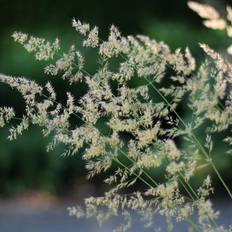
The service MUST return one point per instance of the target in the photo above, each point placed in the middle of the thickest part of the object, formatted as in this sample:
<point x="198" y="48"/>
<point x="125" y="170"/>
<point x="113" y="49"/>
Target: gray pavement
<point x="14" y="217"/>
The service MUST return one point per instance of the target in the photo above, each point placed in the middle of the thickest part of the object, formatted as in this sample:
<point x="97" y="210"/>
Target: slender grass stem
<point x="196" y="141"/>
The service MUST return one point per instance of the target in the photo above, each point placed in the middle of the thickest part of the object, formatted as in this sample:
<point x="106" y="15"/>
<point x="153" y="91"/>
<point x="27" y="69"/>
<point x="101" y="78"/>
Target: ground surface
<point x="28" y="215"/>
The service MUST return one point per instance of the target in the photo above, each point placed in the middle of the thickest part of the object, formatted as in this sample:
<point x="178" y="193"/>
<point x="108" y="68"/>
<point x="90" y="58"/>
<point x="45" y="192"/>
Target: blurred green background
<point x="24" y="163"/>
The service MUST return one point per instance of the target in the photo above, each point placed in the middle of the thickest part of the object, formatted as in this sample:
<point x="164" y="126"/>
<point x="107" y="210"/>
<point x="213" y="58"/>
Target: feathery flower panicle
<point x="219" y="61"/>
<point x="212" y="18"/>
<point x="43" y="50"/>
<point x="183" y="63"/>
<point x="6" y="114"/>
<point x="51" y="91"/>
<point x="229" y="13"/>
<point x="115" y="44"/>
<point x="29" y="89"/>
<point x="92" y="39"/>
<point x="204" y="10"/>
<point x="82" y="28"/>
<point x="216" y="24"/>
<point x="149" y="161"/>
<point x="67" y="65"/>
<point x="173" y="152"/>
<point x="15" y="131"/>
<point x="146" y="137"/>
<point x="174" y="168"/>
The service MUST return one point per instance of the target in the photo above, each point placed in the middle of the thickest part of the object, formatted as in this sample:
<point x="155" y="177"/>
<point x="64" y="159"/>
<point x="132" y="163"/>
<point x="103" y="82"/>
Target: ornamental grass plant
<point x="129" y="120"/>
